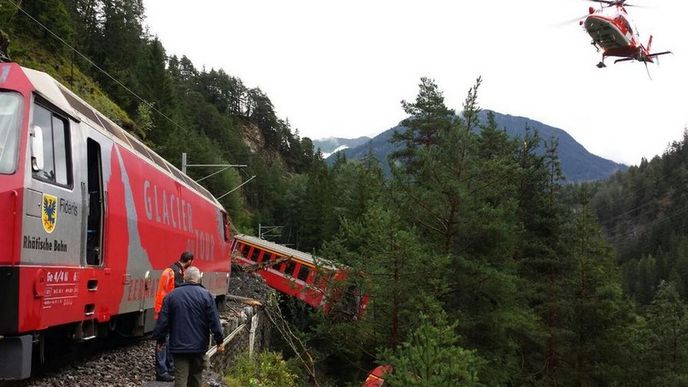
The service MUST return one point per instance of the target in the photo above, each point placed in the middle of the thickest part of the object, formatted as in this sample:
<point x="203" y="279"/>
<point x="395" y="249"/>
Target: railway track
<point x="119" y="362"/>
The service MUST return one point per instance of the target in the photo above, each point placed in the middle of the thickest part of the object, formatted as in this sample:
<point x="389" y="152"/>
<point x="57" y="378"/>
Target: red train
<point x="313" y="280"/>
<point x="89" y="217"/>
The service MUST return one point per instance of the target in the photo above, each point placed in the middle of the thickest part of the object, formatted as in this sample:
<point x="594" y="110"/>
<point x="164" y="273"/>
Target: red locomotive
<point x="89" y="218"/>
<point x="313" y="280"/>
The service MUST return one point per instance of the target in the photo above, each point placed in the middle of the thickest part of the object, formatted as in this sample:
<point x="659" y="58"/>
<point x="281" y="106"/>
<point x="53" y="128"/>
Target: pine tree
<point x="53" y="15"/>
<point x="600" y="315"/>
<point x="665" y="353"/>
<point x="540" y="253"/>
<point x="457" y="188"/>
<point x="428" y="117"/>
<point x="432" y="357"/>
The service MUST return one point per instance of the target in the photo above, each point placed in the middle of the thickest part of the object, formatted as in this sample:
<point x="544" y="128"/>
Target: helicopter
<point x="611" y="32"/>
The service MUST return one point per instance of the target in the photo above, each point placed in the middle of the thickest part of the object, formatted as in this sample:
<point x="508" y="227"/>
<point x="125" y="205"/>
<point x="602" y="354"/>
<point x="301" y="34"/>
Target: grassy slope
<point x="30" y="53"/>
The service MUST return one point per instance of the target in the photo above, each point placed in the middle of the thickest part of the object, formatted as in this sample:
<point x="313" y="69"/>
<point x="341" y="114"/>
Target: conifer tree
<point x="53" y="14"/>
<point x="432" y="357"/>
<point x="428" y="116"/>
<point x="661" y="343"/>
<point x="599" y="314"/>
<point x="394" y="268"/>
<point x="460" y="196"/>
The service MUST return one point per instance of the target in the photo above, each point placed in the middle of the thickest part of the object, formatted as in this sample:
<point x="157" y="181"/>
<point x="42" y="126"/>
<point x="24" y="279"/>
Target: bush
<point x="266" y="369"/>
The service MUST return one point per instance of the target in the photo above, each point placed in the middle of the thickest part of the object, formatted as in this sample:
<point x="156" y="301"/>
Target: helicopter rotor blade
<point x="621" y="3"/>
<point x="656" y="54"/>
<point x="608" y="2"/>
<point x="570" y="21"/>
<point x="623" y="60"/>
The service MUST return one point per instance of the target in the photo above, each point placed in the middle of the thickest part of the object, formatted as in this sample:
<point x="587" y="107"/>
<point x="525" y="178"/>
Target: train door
<point x="95" y="203"/>
<point x="51" y="234"/>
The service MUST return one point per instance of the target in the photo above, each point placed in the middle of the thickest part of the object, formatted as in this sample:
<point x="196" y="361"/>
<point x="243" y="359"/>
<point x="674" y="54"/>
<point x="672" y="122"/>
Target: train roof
<point x="57" y="94"/>
<point x="286" y="251"/>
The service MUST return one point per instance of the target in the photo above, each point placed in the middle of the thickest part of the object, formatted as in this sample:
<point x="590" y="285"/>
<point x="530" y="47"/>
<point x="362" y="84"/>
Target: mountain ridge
<point x="577" y="163"/>
<point x="331" y="145"/>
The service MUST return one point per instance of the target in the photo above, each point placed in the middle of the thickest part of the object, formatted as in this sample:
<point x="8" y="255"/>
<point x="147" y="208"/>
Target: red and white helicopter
<point x="610" y="31"/>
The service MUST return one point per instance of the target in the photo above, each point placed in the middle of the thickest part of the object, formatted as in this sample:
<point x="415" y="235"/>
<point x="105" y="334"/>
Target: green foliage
<point x="266" y="369"/>
<point x="33" y="54"/>
<point x="431" y="357"/>
<point x="657" y="341"/>
<point x="428" y="118"/>
<point x="458" y="189"/>
<point x="599" y="314"/>
<point x="144" y="121"/>
<point x="643" y="210"/>
<point x="52" y="14"/>
<point x="392" y="260"/>
<point x="473" y="229"/>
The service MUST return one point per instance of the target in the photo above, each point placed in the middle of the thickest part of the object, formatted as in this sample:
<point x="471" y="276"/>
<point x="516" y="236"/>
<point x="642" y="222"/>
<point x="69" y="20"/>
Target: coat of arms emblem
<point x="49" y="212"/>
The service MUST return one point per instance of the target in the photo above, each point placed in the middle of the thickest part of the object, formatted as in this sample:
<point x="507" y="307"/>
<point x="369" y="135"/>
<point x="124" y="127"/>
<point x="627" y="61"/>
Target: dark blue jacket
<point x="188" y="314"/>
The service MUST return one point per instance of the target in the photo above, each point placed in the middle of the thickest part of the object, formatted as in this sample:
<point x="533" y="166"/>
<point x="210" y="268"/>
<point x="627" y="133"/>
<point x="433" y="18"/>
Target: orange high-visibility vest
<point x="165" y="285"/>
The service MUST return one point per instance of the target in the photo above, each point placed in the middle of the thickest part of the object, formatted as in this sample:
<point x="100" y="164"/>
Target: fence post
<point x="252" y="334"/>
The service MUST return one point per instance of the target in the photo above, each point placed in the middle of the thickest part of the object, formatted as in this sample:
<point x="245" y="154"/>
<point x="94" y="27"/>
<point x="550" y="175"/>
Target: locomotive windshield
<point x="10" y="118"/>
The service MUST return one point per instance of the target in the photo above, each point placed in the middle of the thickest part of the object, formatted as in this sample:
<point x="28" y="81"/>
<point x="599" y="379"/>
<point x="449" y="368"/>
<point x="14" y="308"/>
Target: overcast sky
<point x="341" y="68"/>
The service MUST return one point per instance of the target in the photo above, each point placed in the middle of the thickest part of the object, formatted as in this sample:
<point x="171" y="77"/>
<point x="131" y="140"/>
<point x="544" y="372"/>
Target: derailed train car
<point x="89" y="218"/>
<point x="317" y="282"/>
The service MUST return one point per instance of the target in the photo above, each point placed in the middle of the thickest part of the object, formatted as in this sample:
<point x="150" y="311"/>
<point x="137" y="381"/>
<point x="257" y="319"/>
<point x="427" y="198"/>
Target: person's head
<point x="192" y="275"/>
<point x="186" y="259"/>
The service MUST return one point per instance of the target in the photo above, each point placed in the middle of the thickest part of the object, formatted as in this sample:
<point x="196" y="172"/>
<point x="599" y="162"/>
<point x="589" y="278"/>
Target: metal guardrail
<point x="212" y="351"/>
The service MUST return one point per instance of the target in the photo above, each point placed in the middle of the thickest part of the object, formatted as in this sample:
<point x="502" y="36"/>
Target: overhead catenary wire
<point x="118" y="82"/>
<point x="92" y="63"/>
<point x="624" y="236"/>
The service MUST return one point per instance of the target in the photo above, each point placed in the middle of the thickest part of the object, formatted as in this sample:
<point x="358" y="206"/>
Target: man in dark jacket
<point x="170" y="278"/>
<point x="188" y="314"/>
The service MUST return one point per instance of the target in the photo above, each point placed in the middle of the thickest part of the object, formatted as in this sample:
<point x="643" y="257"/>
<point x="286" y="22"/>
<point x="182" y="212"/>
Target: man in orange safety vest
<point x="170" y="278"/>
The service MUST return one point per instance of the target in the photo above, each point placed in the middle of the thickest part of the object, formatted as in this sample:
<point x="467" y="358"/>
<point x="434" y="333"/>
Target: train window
<point x="10" y="118"/>
<point x="254" y="255"/>
<point x="226" y="226"/>
<point x="291" y="265"/>
<point x="244" y="249"/>
<point x="303" y="273"/>
<point x="56" y="155"/>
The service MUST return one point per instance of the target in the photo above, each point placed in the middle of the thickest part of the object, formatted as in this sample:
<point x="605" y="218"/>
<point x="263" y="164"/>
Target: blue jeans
<point x="163" y="360"/>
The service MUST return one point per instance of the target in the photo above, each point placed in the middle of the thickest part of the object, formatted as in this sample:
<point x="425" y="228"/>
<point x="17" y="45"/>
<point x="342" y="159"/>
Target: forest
<point x="484" y="267"/>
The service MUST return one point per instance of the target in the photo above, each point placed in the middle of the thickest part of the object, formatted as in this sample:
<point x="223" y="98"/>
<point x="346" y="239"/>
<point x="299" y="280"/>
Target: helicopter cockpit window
<point x="626" y="24"/>
<point x="10" y="118"/>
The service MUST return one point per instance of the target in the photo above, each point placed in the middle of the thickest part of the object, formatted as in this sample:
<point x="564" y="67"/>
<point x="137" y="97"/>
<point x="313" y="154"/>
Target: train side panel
<point x="147" y="221"/>
<point x="85" y="237"/>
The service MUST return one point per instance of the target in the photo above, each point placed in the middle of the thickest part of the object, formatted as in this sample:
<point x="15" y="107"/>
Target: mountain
<point x="577" y="163"/>
<point x="332" y="145"/>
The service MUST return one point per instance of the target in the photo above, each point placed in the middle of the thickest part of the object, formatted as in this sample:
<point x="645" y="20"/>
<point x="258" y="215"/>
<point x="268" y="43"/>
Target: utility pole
<point x="269" y="231"/>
